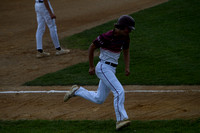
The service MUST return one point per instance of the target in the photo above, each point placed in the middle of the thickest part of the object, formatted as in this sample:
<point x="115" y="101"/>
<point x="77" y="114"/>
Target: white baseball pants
<point x="108" y="82"/>
<point x="43" y="17"/>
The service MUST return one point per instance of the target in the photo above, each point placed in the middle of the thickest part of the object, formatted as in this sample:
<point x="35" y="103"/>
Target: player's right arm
<point x="91" y="59"/>
<point x="49" y="10"/>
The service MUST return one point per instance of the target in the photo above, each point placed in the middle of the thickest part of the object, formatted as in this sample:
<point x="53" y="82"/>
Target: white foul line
<point x="128" y="91"/>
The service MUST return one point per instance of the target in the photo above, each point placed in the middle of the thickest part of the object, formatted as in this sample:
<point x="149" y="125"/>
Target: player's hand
<point x="127" y="72"/>
<point x="53" y="16"/>
<point x="92" y="70"/>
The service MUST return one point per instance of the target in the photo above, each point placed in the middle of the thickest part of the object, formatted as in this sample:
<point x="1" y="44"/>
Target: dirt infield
<point x="18" y="65"/>
<point x="140" y="105"/>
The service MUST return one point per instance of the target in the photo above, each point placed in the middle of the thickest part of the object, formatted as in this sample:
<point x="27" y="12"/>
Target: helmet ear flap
<point x="120" y="27"/>
<point x="116" y="25"/>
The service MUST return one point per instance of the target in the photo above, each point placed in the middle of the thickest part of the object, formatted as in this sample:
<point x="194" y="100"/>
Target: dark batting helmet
<point x="125" y="21"/>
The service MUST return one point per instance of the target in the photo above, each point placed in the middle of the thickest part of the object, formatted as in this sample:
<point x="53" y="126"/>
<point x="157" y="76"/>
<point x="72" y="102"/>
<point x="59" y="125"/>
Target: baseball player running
<point x="111" y="44"/>
<point x="45" y="15"/>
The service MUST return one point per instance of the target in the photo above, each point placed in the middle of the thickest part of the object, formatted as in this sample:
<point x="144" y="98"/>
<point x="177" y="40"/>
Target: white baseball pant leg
<point x="98" y="96"/>
<point x="108" y="81"/>
<point x="42" y="18"/>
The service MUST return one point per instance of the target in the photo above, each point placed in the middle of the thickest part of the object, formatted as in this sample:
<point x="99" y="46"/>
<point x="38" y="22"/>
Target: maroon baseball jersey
<point x="111" y="46"/>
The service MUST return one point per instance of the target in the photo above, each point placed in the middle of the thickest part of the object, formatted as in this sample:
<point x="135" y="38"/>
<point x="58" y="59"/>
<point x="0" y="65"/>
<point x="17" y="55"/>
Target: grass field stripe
<point x="128" y="91"/>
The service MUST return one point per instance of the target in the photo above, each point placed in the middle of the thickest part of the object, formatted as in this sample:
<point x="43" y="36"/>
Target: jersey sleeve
<point x="101" y="41"/>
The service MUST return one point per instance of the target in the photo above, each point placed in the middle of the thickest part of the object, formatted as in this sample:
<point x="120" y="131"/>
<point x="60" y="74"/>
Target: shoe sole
<point x="124" y="125"/>
<point x="62" y="53"/>
<point x="70" y="94"/>
<point x="66" y="97"/>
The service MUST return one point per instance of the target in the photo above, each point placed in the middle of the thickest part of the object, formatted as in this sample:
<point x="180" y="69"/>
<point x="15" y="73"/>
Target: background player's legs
<point x="107" y="75"/>
<point x="52" y="29"/>
<point x="96" y="97"/>
<point x="53" y="32"/>
<point x="40" y="29"/>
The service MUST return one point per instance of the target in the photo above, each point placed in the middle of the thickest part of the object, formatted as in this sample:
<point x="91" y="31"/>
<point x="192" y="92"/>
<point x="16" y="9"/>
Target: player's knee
<point x="52" y="27"/>
<point x="41" y="30"/>
<point x="120" y="92"/>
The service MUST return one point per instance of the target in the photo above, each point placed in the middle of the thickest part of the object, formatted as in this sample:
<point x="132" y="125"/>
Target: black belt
<point x="109" y="63"/>
<point x="39" y="1"/>
<point x="112" y="64"/>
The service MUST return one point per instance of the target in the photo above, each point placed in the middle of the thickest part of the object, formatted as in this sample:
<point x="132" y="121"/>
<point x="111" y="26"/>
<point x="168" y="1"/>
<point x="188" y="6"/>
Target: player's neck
<point x="117" y="33"/>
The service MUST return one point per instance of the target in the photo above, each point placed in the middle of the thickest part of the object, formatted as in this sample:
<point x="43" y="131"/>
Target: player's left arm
<point x="127" y="61"/>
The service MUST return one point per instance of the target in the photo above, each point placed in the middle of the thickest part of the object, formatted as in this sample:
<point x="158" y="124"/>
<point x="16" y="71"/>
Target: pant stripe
<point x="114" y="89"/>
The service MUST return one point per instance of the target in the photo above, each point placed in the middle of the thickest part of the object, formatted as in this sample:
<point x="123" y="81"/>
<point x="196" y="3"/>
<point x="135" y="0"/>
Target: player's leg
<point x="40" y="28"/>
<point x="52" y="27"/>
<point x="40" y="31"/>
<point x="97" y="97"/>
<point x="53" y="30"/>
<point x="107" y="75"/>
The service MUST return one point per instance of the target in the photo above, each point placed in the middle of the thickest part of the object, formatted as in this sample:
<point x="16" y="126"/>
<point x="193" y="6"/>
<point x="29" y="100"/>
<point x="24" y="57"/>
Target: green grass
<point x="164" y="49"/>
<point x="106" y="126"/>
